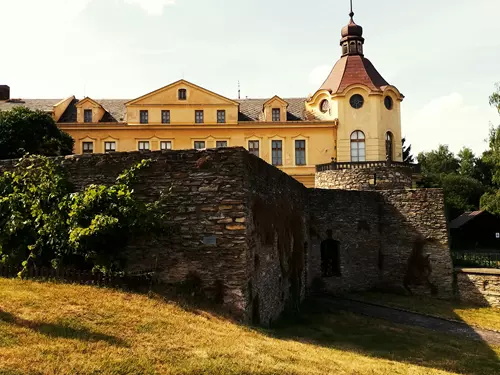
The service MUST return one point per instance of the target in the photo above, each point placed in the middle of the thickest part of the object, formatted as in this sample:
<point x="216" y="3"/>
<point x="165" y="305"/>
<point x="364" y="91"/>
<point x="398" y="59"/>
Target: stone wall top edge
<point x="479" y="271"/>
<point x="117" y="155"/>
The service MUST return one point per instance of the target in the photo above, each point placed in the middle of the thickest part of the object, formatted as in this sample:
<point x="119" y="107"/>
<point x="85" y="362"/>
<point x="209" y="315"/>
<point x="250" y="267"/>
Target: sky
<point x="442" y="55"/>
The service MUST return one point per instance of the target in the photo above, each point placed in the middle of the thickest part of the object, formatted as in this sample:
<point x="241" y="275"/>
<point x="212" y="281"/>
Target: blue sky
<point x="443" y="55"/>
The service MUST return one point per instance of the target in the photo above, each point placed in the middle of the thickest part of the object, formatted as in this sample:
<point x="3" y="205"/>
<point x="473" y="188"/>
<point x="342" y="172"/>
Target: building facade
<point x="354" y="117"/>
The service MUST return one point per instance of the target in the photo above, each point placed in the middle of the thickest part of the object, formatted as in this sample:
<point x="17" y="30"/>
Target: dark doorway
<point x="330" y="256"/>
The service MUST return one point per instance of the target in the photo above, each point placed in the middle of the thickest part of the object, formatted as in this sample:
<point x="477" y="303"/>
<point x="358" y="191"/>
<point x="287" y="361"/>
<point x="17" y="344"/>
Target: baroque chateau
<point x="354" y="117"/>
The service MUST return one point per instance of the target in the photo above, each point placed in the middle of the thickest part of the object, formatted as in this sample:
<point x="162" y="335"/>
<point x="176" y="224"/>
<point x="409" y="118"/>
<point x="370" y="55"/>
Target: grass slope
<point x="64" y="329"/>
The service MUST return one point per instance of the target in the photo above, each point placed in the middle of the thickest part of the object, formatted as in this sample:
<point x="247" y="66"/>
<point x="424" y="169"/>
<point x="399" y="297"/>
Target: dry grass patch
<point x="64" y="329"/>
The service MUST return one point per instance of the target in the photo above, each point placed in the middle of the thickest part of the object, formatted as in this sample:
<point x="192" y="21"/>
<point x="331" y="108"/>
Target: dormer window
<point x="144" y="117"/>
<point x="182" y="94"/>
<point x="87" y="115"/>
<point x="276" y="115"/>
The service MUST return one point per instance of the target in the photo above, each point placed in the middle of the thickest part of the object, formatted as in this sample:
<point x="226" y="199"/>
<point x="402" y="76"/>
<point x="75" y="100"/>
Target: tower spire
<point x="352" y="37"/>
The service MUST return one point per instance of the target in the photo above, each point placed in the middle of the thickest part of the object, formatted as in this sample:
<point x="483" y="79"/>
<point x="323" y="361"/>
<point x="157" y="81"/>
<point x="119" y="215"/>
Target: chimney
<point x="4" y="92"/>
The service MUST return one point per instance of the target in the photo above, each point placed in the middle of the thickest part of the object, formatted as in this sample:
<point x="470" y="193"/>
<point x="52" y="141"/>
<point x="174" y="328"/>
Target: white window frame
<point x="143" y="144"/>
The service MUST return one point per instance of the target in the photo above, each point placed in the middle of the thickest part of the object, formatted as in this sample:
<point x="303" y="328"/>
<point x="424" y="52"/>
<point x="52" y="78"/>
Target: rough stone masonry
<point x="252" y="235"/>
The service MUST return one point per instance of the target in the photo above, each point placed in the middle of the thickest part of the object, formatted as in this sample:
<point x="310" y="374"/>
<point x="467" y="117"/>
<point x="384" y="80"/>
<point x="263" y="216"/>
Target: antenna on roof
<point x="239" y="90"/>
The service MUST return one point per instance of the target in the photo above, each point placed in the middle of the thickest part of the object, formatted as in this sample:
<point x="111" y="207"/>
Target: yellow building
<point x="353" y="117"/>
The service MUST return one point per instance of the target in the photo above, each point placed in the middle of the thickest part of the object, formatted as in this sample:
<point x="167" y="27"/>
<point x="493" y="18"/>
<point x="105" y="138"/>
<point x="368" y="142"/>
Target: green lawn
<point x="483" y="317"/>
<point x="63" y="329"/>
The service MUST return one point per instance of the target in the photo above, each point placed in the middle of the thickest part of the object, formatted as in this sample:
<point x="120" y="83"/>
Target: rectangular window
<point x="277" y="147"/>
<point x="144" y="115"/>
<point x="300" y="152"/>
<point x="88" y="147"/>
<point x="198" y="145"/>
<point x="165" y="145"/>
<point x="276" y="114"/>
<point x="143" y="145"/>
<point x="254" y="147"/>
<point x="221" y="117"/>
<point x="165" y="117"/>
<point x="198" y="117"/>
<point x="109" y="146"/>
<point x="220" y="144"/>
<point x="87" y="115"/>
<point x="182" y="94"/>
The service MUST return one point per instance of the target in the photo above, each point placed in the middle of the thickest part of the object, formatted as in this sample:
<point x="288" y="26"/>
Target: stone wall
<point x="353" y="217"/>
<point x="277" y="236"/>
<point x="414" y="241"/>
<point x="391" y="240"/>
<point x="479" y="286"/>
<point x="372" y="178"/>
<point x="251" y="235"/>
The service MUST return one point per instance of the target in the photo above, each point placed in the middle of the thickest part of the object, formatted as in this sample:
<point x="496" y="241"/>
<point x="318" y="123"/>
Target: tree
<point x="42" y="222"/>
<point x="23" y="131"/>
<point x="407" y="155"/>
<point x="495" y="98"/>
<point x="461" y="193"/>
<point x="467" y="162"/>
<point x="439" y="161"/>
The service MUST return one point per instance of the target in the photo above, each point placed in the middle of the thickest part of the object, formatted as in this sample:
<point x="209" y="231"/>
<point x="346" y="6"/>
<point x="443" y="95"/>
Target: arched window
<point x="388" y="146"/>
<point x="358" y="146"/>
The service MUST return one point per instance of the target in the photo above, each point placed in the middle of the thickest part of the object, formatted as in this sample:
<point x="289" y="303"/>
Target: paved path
<point x="411" y="319"/>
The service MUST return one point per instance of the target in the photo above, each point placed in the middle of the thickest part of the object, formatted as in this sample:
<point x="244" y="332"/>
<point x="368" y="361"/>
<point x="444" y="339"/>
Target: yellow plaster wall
<point x="373" y="119"/>
<point x="275" y="103"/>
<point x="60" y="107"/>
<point x="182" y="111"/>
<point x="97" y="111"/>
<point x="320" y="140"/>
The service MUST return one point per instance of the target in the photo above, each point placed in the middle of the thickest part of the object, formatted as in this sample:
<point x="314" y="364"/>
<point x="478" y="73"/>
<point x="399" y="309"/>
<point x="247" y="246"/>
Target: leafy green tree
<point x="495" y="98"/>
<point x="491" y="202"/>
<point x="23" y="131"/>
<point x="407" y="155"/>
<point x="438" y="161"/>
<point x="492" y="156"/>
<point x="467" y="162"/>
<point x="43" y="222"/>
<point x="461" y="193"/>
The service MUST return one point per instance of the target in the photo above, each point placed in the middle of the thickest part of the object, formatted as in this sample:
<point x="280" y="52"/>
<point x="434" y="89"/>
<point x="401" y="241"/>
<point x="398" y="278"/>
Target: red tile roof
<point x="354" y="69"/>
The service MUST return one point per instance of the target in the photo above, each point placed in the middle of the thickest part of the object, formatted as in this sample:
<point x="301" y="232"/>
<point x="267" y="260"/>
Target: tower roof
<point x="354" y="69"/>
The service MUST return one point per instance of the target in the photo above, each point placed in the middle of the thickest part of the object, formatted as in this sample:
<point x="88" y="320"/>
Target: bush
<point x="42" y="222"/>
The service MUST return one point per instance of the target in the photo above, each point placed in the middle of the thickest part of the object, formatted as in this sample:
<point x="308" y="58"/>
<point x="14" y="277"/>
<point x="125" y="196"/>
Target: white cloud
<point x="153" y="7"/>
<point x="319" y="74"/>
<point x="448" y="120"/>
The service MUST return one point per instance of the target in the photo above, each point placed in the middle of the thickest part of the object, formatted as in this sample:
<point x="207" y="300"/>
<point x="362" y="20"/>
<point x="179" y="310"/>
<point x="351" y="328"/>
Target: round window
<point x="389" y="104"/>
<point x="324" y="106"/>
<point x="357" y="101"/>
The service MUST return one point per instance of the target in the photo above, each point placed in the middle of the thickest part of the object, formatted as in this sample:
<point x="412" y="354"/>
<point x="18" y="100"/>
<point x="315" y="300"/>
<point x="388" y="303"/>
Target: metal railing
<point x="477" y="260"/>
<point x="335" y="166"/>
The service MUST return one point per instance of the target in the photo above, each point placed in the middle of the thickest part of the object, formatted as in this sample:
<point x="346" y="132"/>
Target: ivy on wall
<point x="43" y="222"/>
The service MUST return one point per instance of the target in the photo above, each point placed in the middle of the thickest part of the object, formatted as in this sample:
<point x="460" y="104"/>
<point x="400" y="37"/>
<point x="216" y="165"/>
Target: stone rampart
<point x="478" y="286"/>
<point x="252" y="235"/>
<point x="365" y="178"/>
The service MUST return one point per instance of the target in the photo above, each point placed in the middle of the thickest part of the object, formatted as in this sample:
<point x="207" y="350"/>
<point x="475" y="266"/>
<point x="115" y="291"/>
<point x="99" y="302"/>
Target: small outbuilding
<point x="477" y="230"/>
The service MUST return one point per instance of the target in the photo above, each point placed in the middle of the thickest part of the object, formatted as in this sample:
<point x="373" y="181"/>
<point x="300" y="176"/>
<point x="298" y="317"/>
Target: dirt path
<point x="412" y="319"/>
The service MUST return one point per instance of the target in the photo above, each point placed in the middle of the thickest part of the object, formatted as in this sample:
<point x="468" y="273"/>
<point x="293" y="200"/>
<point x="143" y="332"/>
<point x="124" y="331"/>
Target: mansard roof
<point x="351" y="70"/>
